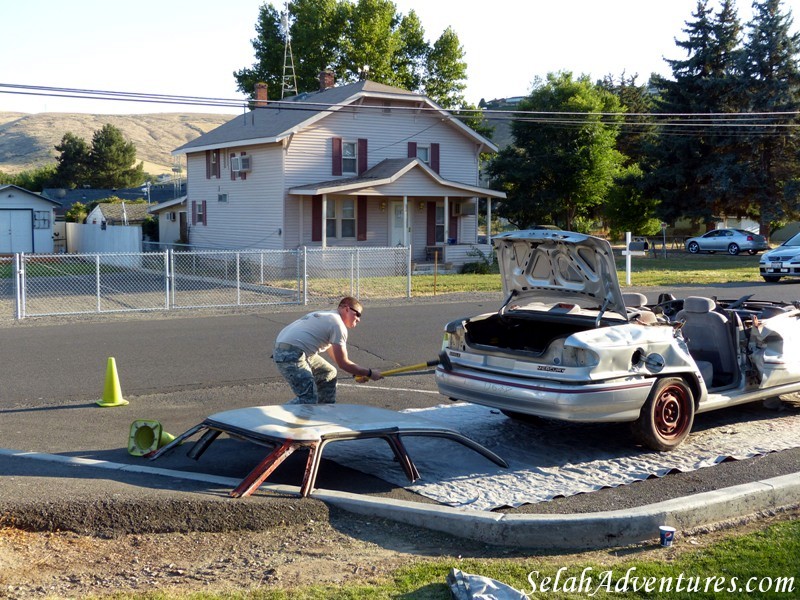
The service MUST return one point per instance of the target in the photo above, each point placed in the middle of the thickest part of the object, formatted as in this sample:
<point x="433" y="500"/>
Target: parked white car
<point x="783" y="261"/>
<point x="568" y="344"/>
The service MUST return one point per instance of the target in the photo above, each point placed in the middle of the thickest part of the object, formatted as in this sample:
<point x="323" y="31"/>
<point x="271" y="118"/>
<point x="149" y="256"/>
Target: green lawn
<point x="677" y="269"/>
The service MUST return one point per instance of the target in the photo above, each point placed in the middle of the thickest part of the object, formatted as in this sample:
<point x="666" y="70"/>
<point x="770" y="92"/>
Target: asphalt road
<point x="181" y="368"/>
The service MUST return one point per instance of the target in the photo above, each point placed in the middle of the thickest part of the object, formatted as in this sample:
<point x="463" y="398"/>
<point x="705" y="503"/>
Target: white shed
<point x="26" y="221"/>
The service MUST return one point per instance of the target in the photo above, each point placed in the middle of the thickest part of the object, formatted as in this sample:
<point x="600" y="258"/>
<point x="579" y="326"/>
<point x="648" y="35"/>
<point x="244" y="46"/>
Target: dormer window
<point x="424" y="154"/>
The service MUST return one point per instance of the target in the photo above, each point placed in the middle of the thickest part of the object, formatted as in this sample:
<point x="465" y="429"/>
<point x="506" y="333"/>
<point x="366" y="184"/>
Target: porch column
<point x="324" y="219"/>
<point x="446" y="221"/>
<point x="489" y="220"/>
<point x="405" y="221"/>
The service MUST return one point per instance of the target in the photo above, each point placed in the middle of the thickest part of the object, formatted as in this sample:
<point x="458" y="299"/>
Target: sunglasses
<point x="355" y="312"/>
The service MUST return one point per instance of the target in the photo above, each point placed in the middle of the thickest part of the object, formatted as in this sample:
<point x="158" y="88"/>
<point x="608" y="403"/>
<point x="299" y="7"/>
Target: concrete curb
<point x="581" y="531"/>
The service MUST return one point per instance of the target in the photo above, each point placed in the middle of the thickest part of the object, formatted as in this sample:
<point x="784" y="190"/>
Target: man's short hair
<point x="349" y="301"/>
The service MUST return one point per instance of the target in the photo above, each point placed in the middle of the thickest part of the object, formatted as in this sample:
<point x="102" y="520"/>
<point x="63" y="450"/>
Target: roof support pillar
<point x="324" y="220"/>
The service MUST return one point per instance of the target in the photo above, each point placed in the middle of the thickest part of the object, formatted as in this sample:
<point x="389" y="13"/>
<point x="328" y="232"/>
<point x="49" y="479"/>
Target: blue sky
<point x="192" y="47"/>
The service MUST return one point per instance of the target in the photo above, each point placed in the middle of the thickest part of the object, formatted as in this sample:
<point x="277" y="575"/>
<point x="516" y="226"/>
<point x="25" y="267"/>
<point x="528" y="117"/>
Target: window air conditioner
<point x="240" y="163"/>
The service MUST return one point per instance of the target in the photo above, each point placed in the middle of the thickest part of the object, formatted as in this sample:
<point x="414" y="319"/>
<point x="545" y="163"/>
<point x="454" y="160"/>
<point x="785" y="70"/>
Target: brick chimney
<point x="261" y="95"/>
<point x="326" y="80"/>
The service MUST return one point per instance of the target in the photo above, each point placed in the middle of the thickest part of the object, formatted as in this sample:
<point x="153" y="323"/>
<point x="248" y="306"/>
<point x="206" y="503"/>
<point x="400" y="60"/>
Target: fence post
<point x="172" y="278"/>
<point x="238" y="280"/>
<point x="408" y="271"/>
<point x="305" y="275"/>
<point x="358" y="274"/>
<point x="353" y="273"/>
<point x="166" y="278"/>
<point x="97" y="274"/>
<point x="19" y="285"/>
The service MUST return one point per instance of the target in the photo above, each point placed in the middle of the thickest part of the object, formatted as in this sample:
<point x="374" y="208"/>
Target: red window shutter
<point x="435" y="157"/>
<point x="194" y="212"/>
<point x="230" y="164"/>
<point x="336" y="165"/>
<point x="361" y="235"/>
<point x="362" y="155"/>
<point x="208" y="164"/>
<point x="205" y="213"/>
<point x="243" y="174"/>
<point x="431" y="223"/>
<point x="452" y="228"/>
<point x="412" y="149"/>
<point x="316" y="218"/>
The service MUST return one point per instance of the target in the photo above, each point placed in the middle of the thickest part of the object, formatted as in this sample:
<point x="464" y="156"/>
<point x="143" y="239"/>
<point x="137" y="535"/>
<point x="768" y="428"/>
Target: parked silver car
<point x="568" y="344"/>
<point x="783" y="261"/>
<point x="731" y="241"/>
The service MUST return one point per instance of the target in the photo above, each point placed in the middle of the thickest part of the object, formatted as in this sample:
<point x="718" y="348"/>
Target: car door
<point x="711" y="241"/>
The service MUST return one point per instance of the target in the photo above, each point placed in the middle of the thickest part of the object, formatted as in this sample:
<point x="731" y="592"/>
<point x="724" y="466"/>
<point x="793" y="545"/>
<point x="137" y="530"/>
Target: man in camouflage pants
<point x="298" y="347"/>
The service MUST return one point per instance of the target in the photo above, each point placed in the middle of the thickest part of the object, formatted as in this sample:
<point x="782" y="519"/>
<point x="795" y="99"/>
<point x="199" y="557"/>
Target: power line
<point x="662" y="121"/>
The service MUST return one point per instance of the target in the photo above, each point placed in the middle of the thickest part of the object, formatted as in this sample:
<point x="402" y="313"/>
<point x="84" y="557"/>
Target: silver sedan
<point x="731" y="241"/>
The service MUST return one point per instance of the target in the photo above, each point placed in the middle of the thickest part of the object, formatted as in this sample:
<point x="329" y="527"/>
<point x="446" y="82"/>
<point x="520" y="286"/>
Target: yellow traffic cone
<point x="112" y="394"/>
<point x="147" y="437"/>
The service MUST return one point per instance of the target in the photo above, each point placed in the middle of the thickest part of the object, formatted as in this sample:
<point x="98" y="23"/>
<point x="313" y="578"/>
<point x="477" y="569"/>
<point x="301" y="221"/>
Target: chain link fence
<point x="72" y="284"/>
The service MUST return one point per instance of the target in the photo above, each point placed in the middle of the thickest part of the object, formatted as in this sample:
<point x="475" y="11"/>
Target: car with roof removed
<point x="567" y="344"/>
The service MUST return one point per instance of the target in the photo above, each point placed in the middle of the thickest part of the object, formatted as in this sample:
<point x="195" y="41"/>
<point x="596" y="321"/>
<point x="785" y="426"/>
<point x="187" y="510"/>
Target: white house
<point x="363" y="164"/>
<point x="26" y="221"/>
<point x="172" y="221"/>
<point x="117" y="213"/>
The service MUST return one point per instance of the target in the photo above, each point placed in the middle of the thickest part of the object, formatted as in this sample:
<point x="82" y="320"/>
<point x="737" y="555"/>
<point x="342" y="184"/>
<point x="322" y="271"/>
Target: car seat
<point x="709" y="338"/>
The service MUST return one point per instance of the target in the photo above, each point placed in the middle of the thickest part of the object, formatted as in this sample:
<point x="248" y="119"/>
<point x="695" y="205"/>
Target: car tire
<point x="752" y="252"/>
<point x="693" y="247"/>
<point x="667" y="417"/>
<point x="771" y="278"/>
<point x="733" y="249"/>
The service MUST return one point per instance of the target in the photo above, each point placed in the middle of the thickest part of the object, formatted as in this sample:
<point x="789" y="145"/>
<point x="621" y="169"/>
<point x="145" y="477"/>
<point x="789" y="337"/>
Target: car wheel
<point x="733" y="249"/>
<point x="693" y="247"/>
<point x="752" y="252"/>
<point x="667" y="417"/>
<point x="771" y="278"/>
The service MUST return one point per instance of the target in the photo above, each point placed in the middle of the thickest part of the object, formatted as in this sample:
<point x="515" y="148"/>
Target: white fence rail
<point x="70" y="284"/>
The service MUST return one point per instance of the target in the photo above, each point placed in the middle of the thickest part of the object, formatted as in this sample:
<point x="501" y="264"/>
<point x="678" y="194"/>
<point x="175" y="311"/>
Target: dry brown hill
<point x="27" y="140"/>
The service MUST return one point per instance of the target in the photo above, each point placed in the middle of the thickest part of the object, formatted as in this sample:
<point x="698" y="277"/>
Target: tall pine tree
<point x="772" y="82"/>
<point x="691" y="165"/>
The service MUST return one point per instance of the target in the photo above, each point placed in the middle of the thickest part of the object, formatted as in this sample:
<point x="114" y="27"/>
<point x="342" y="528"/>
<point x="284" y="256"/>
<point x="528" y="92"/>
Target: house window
<point x="439" y="224"/>
<point x="349" y="158"/>
<point x="222" y="197"/>
<point x="424" y="154"/>
<point x="201" y="212"/>
<point x="340" y="219"/>
<point x="41" y="219"/>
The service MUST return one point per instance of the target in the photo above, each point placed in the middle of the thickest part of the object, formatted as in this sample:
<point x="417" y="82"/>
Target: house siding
<point x="253" y="213"/>
<point x="309" y="155"/>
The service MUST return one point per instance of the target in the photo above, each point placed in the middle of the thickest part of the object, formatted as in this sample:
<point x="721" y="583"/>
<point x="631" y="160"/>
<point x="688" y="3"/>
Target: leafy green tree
<point x="692" y="167"/>
<point x="35" y="180"/>
<point x="447" y="71"/>
<point x="627" y="208"/>
<point x="772" y="80"/>
<point x="345" y="36"/>
<point x="73" y="162"/>
<point x="76" y="213"/>
<point x="561" y="166"/>
<point x="112" y="160"/>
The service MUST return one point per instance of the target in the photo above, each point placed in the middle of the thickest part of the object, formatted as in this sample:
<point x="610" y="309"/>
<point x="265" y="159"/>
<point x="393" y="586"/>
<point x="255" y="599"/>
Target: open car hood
<point x="546" y="265"/>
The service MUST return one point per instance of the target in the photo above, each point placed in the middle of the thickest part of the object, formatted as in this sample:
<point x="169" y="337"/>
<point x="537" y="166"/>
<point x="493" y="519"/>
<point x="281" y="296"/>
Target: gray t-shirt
<point x="315" y="332"/>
